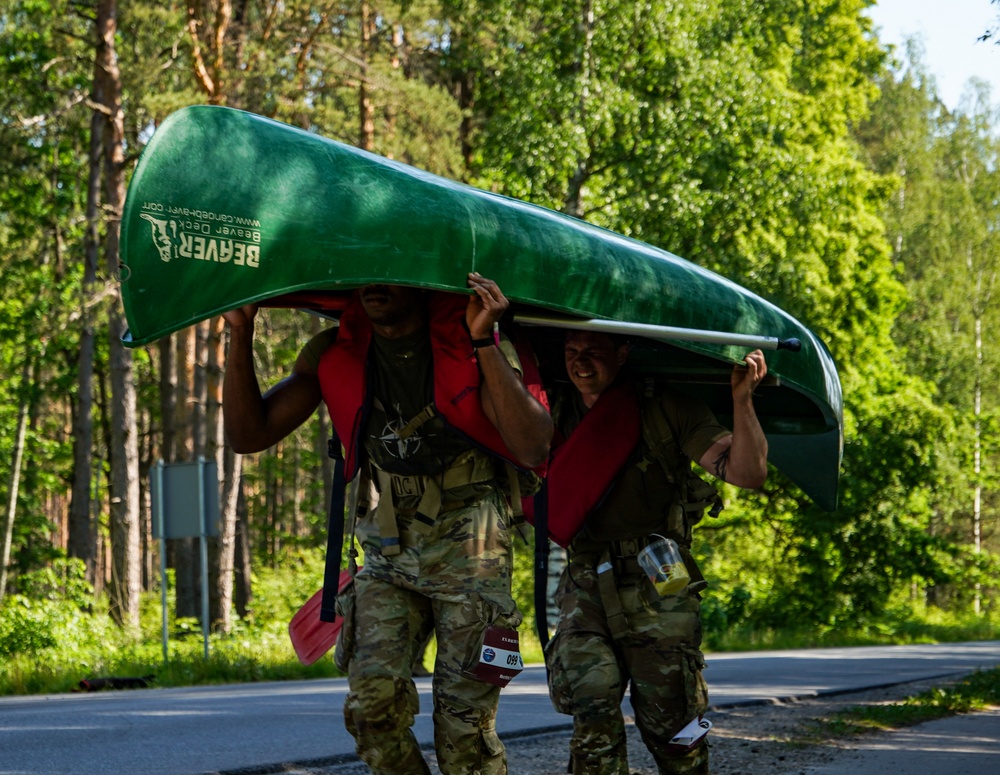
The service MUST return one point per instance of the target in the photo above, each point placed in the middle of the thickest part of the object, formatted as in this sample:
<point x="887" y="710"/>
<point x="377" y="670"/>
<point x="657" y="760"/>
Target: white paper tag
<point x="510" y="660"/>
<point x="692" y="733"/>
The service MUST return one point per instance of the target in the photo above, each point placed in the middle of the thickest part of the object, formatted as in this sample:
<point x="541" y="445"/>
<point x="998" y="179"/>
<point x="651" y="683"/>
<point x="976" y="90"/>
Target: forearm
<point x="524" y="424"/>
<point x="747" y="464"/>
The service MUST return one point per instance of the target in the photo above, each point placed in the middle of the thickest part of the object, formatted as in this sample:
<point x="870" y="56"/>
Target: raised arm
<point x="523" y="423"/>
<point x="741" y="458"/>
<point x="254" y="421"/>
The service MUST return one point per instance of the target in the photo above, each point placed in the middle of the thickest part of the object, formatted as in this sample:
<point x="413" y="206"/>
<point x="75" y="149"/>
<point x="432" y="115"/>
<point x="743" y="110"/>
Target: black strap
<point x="542" y="564"/>
<point x="334" y="534"/>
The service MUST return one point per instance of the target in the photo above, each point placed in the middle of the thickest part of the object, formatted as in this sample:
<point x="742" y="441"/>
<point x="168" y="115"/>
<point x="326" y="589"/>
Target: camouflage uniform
<point x="626" y="636"/>
<point x="453" y="577"/>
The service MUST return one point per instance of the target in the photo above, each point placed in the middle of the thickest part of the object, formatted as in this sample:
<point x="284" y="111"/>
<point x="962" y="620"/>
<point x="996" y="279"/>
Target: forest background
<point x="776" y="142"/>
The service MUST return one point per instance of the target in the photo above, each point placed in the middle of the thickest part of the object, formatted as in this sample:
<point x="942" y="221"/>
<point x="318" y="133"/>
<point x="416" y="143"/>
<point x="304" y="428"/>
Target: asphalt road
<point x="192" y="731"/>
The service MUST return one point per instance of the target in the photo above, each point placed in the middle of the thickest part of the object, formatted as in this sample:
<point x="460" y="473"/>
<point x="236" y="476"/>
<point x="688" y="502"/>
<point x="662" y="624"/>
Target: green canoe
<point x="226" y="207"/>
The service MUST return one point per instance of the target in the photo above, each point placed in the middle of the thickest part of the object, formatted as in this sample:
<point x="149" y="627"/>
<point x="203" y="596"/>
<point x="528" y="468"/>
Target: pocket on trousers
<point x="496" y="657"/>
<point x="695" y="688"/>
<point x="560" y="682"/>
<point x="346" y="638"/>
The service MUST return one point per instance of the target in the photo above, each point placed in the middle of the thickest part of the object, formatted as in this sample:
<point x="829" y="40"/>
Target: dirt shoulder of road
<point x="778" y="738"/>
<point x="785" y="737"/>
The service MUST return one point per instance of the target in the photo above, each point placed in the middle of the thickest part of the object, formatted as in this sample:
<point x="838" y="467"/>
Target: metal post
<point x="161" y="529"/>
<point x="204" y="552"/>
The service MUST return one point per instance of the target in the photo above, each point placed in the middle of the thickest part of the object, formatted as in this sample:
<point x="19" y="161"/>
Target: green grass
<point x="230" y="660"/>
<point x="896" y="630"/>
<point x="50" y="641"/>
<point x="978" y="691"/>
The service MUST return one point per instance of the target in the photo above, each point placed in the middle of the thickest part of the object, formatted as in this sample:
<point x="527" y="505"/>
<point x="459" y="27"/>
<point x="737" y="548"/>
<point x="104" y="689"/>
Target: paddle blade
<point x="311" y="637"/>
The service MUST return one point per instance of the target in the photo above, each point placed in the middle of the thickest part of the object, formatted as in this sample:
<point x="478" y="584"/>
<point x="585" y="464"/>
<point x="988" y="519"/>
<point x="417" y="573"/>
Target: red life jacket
<point x="583" y="467"/>
<point x="343" y="377"/>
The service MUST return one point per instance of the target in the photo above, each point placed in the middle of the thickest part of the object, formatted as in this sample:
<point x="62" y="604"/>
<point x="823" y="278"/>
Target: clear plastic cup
<point x="662" y="562"/>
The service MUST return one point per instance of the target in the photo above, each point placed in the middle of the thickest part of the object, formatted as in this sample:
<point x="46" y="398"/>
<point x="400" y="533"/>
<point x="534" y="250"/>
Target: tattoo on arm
<point x="721" y="463"/>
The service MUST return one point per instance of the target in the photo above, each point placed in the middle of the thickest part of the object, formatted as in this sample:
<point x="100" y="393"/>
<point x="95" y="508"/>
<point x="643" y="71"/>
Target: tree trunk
<point x="225" y="554"/>
<point x="80" y="541"/>
<point x="243" y="592"/>
<point x="199" y="392"/>
<point x="183" y="549"/>
<point x="977" y="498"/>
<point x="147" y="455"/>
<point x="167" y="348"/>
<point x="102" y="483"/>
<point x="230" y="466"/>
<point x="211" y="35"/>
<point x="13" y="482"/>
<point x="125" y="522"/>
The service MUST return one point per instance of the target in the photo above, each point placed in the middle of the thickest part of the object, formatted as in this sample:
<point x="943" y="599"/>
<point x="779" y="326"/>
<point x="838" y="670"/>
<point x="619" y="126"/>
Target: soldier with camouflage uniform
<point x="450" y="573"/>
<point x="614" y="630"/>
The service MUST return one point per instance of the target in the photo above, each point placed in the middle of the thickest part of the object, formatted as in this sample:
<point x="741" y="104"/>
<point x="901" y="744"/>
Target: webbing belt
<point x="335" y="531"/>
<point x="471" y="469"/>
<point x="385" y="512"/>
<point x="517" y="508"/>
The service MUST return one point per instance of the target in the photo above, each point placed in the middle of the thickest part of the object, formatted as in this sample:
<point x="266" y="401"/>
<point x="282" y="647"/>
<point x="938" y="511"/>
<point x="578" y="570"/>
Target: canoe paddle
<point x="312" y="637"/>
<point x="665" y="333"/>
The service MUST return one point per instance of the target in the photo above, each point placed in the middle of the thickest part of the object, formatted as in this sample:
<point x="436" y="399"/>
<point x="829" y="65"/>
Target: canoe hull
<point x="227" y="207"/>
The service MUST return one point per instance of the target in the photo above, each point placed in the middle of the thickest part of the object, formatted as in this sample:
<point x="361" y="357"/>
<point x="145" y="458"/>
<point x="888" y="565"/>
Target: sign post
<point x="185" y="499"/>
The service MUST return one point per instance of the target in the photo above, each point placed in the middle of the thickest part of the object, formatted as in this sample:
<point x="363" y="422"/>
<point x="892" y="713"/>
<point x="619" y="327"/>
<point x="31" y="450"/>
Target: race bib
<point x="499" y="657"/>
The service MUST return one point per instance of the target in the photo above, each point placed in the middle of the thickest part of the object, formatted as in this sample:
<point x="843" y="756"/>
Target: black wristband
<point x="487" y="341"/>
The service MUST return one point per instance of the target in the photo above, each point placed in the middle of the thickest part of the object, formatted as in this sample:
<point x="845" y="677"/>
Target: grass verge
<point x="978" y="691"/>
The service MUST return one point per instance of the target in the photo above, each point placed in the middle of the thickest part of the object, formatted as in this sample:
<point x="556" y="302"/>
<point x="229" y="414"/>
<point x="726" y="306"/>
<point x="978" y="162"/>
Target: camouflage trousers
<point x="454" y="581"/>
<point x="658" y="659"/>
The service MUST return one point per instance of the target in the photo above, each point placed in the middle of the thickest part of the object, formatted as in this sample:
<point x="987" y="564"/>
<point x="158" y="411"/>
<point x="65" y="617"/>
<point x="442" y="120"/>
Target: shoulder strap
<point x="696" y="494"/>
<point x="334" y="535"/>
<point x="541" y="519"/>
<point x="335" y="531"/>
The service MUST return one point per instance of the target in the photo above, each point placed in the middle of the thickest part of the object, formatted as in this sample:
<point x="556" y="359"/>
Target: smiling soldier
<point x="620" y="477"/>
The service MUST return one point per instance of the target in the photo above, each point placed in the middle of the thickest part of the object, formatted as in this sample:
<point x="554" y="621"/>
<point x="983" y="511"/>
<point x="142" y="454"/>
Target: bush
<point x="25" y="627"/>
<point x="63" y="580"/>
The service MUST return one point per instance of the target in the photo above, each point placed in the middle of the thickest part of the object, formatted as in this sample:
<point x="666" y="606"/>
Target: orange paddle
<point x="312" y="637"/>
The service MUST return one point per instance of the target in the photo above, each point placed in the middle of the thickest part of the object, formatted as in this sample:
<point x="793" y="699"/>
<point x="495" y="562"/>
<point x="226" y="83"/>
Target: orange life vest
<point x="343" y="377"/>
<point x="583" y="467"/>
